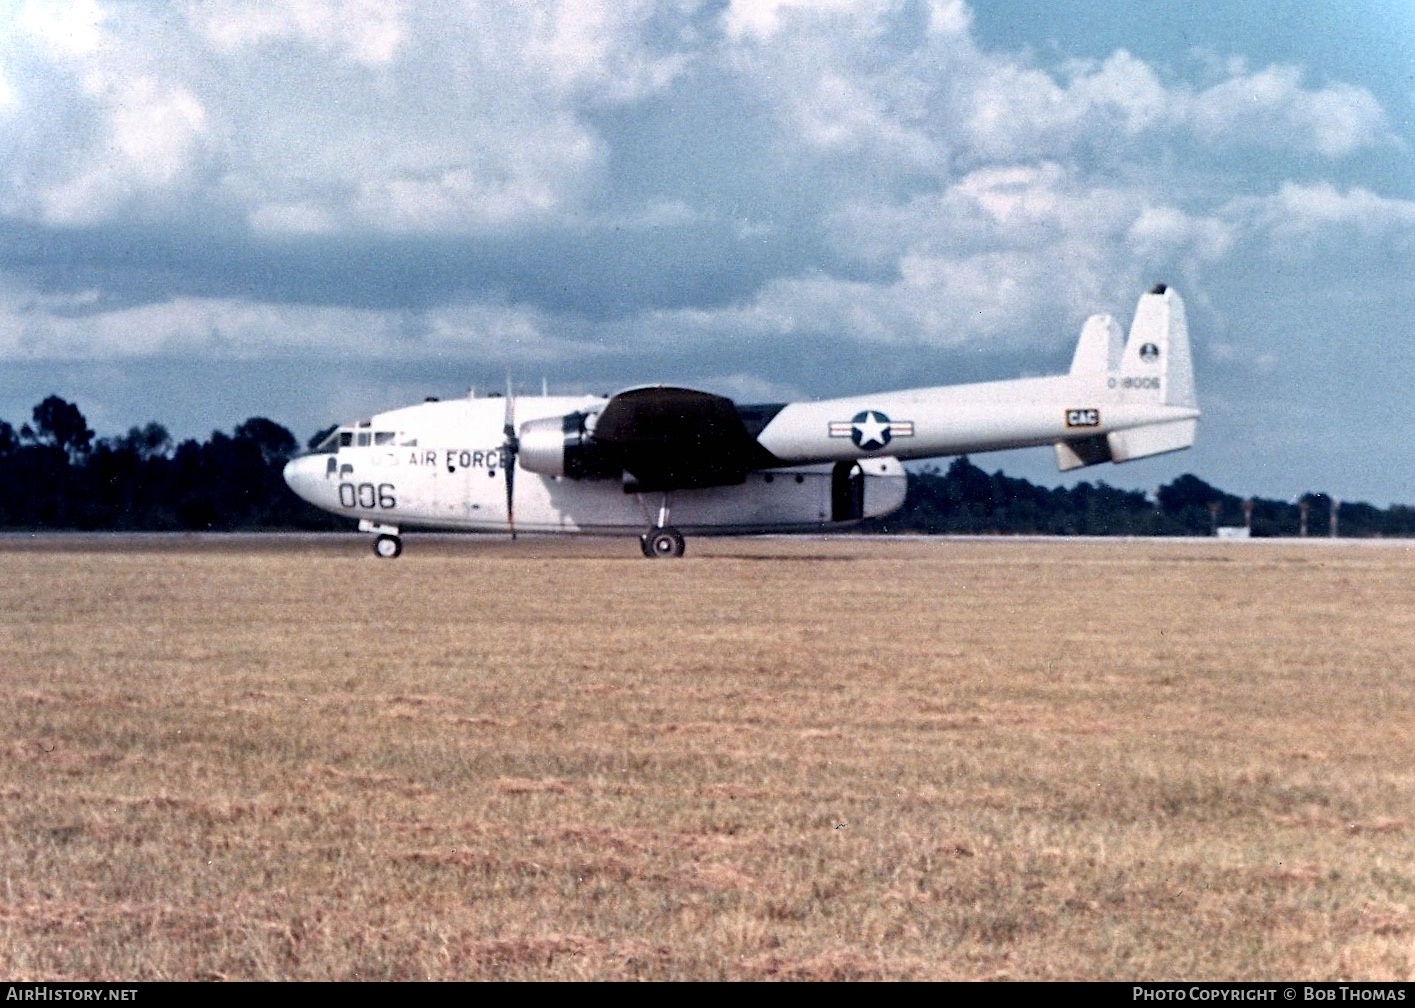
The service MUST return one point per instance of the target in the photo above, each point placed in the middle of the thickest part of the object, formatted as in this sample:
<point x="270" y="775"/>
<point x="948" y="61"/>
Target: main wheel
<point x="387" y="546"/>
<point x="663" y="542"/>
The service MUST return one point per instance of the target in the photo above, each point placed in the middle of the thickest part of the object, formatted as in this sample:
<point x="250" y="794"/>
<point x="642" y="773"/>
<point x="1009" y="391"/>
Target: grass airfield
<point x="282" y="758"/>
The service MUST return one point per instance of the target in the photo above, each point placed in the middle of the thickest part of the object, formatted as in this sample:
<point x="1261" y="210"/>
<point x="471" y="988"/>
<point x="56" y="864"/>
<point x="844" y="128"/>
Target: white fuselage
<point x="958" y="419"/>
<point x="538" y="464"/>
<point x="442" y="465"/>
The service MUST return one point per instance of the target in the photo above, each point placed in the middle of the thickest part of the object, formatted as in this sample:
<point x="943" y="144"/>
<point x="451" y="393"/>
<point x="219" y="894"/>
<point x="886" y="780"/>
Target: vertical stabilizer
<point x="1156" y="363"/>
<point x="1100" y="346"/>
<point x="1152" y="369"/>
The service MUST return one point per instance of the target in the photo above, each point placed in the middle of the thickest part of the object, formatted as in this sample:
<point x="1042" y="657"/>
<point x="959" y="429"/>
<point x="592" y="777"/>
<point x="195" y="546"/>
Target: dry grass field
<point x="774" y="759"/>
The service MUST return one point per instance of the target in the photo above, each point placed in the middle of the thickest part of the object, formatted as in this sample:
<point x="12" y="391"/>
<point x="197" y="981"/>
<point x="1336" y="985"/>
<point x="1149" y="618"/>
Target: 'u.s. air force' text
<point x="450" y="458"/>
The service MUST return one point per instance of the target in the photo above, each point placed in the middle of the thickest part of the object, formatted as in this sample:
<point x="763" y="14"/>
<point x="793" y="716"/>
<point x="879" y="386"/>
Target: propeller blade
<point x="508" y="457"/>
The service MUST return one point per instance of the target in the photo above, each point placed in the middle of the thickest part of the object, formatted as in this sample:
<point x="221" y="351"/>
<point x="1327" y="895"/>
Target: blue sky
<point x="313" y="210"/>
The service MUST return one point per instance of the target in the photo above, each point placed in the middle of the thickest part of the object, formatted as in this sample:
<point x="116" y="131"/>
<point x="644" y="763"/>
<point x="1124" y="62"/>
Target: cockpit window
<point x="328" y="446"/>
<point x="361" y="437"/>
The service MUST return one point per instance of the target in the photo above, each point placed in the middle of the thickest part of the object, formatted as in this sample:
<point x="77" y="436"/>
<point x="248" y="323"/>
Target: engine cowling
<point x="565" y="446"/>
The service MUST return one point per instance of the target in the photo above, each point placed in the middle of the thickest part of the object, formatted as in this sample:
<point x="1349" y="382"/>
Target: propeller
<point x="509" y="449"/>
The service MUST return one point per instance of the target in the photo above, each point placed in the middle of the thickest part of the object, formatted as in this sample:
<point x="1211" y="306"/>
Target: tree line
<point x="963" y="499"/>
<point x="56" y="474"/>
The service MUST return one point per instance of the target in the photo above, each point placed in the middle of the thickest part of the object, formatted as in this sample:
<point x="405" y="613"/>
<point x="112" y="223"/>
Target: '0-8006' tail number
<point x="367" y="495"/>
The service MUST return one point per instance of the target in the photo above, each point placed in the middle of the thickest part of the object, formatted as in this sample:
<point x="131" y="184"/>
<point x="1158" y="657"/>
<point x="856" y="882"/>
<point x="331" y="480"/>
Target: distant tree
<point x="271" y="503"/>
<point x="127" y="482"/>
<point x="1361" y="520"/>
<point x="1185" y="492"/>
<point x="148" y="442"/>
<point x="1400" y="521"/>
<point x="276" y="444"/>
<point x="1099" y="509"/>
<point x="1187" y="505"/>
<point x="59" y="424"/>
<point x="236" y="482"/>
<point x="1270" y="518"/>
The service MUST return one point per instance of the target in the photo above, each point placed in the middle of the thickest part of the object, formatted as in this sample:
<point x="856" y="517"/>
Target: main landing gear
<point x="663" y="540"/>
<point x="386" y="543"/>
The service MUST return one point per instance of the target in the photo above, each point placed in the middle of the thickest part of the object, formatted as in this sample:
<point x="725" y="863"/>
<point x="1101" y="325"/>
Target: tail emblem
<point x="871" y="430"/>
<point x="1149" y="353"/>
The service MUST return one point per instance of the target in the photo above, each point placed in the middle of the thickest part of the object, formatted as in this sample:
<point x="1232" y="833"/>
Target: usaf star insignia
<point x="871" y="430"/>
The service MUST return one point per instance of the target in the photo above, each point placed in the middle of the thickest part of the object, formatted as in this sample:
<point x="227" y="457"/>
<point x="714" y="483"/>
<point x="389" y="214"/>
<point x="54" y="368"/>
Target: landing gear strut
<point x="663" y="540"/>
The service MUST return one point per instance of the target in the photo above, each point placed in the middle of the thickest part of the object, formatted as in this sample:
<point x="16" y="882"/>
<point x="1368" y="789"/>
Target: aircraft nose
<point x="304" y="475"/>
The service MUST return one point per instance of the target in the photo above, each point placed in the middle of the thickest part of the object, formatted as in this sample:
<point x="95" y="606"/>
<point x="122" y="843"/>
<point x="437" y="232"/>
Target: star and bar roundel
<point x="871" y="430"/>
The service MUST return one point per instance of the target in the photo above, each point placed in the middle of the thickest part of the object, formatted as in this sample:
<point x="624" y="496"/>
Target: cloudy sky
<point x="314" y="209"/>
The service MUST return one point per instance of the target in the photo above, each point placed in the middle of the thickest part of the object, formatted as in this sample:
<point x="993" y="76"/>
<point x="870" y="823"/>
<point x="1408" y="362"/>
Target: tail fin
<point x="1152" y="368"/>
<point x="1099" y="348"/>
<point x="1159" y="347"/>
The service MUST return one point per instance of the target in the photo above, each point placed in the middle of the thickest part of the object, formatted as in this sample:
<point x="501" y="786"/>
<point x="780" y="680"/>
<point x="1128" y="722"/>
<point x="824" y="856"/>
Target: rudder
<point x="1154" y="367"/>
<point x="1099" y="349"/>
<point x="1156" y="364"/>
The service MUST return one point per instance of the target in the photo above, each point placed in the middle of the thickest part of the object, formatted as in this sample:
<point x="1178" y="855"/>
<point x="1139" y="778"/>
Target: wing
<point x="657" y="437"/>
<point x="677" y="439"/>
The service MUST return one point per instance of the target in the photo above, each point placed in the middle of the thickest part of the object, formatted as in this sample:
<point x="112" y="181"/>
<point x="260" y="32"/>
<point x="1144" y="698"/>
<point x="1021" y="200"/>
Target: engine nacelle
<point x="565" y="446"/>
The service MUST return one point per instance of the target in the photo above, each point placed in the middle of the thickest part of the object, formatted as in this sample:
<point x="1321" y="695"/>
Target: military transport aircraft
<point x="660" y="461"/>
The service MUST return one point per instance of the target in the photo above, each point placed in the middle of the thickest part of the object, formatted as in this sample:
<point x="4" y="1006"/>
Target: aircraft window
<point x="408" y="442"/>
<point x="383" y="437"/>
<point x="346" y="438"/>
<point x="363" y="439"/>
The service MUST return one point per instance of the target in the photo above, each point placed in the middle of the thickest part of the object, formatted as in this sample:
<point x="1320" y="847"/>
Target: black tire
<point x="387" y="547"/>
<point x="663" y="542"/>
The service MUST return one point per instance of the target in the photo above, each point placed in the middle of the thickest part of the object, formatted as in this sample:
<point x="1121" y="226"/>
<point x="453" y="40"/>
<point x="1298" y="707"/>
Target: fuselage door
<point x="847" y="492"/>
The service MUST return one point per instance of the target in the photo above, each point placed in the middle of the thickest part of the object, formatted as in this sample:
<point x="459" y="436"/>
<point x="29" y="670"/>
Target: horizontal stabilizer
<point x="1082" y="452"/>
<point x="1126" y="445"/>
<point x="1155" y="439"/>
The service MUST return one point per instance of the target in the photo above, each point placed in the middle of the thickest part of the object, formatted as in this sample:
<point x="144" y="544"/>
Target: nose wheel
<point x="386" y="543"/>
<point x="663" y="541"/>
